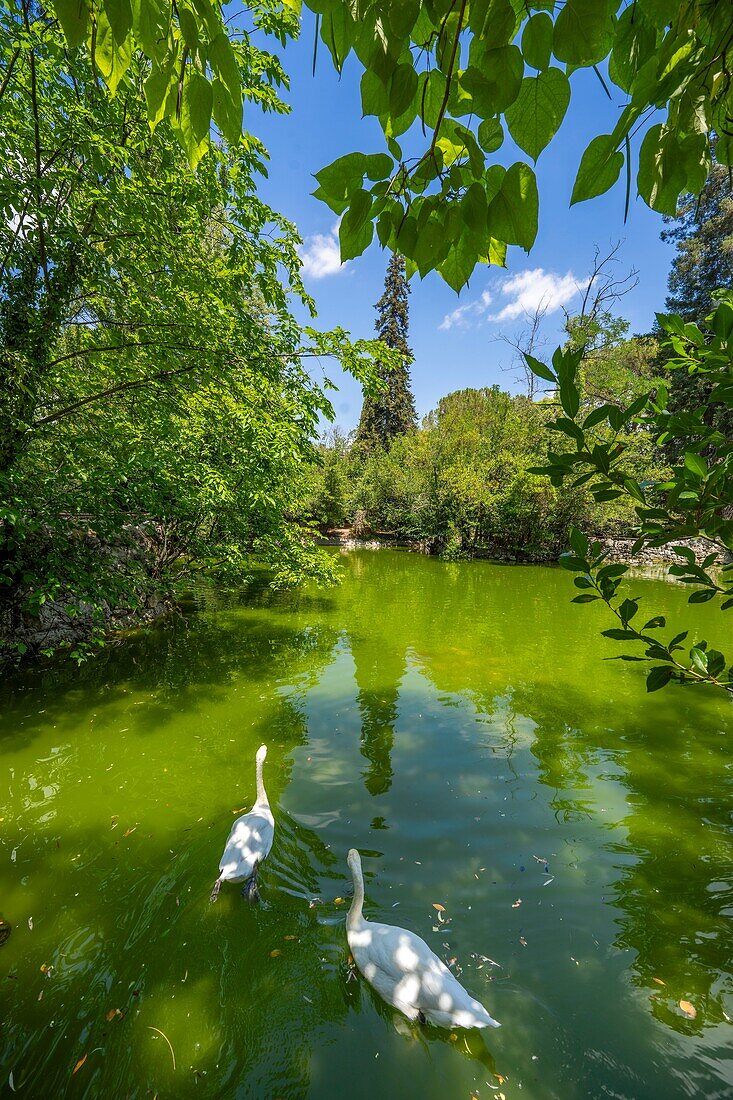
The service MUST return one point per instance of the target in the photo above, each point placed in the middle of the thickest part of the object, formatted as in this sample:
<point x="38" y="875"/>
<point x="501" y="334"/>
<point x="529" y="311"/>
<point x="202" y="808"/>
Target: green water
<point x="456" y="724"/>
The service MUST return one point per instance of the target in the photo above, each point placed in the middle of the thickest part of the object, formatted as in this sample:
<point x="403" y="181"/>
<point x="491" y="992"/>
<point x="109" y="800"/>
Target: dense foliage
<point x="155" y="413"/>
<point x="693" y="500"/>
<point x="390" y="411"/>
<point x="446" y="77"/>
<point x="465" y="482"/>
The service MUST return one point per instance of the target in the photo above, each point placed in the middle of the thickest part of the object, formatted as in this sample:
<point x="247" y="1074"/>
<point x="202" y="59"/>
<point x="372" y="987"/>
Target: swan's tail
<point x="215" y="892"/>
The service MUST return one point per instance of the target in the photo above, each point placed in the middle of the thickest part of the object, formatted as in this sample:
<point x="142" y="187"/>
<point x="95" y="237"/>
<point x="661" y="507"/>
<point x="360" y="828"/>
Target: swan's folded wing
<point x="410" y="975"/>
<point x="249" y="842"/>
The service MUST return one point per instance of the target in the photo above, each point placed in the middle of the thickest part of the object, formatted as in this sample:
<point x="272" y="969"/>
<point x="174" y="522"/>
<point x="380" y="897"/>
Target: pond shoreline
<point x="67" y="624"/>
<point x="619" y="549"/>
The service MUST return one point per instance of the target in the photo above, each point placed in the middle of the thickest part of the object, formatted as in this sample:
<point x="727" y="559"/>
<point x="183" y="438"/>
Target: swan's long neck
<point x="261" y="792"/>
<point x="355" y="919"/>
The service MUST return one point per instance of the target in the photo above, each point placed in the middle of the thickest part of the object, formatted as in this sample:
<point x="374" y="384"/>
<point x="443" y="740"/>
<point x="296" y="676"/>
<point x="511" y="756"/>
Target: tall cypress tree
<point x="392" y="411"/>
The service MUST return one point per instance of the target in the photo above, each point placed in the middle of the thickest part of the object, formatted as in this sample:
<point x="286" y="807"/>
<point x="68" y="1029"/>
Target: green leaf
<point x="585" y="598"/>
<point x="599" y="169"/>
<point x="579" y="542"/>
<point x="73" y="16"/>
<point x="112" y="57"/>
<point x="513" y="212"/>
<point x="340" y="179"/>
<point x="573" y="562"/>
<point x="224" y="63"/>
<point x="665" y="162"/>
<point x="119" y="13"/>
<point x="457" y="266"/>
<point x="583" y="33"/>
<point x="492" y="21"/>
<point x="490" y="135"/>
<point x="569" y="397"/>
<point x="356" y="229"/>
<point x="699" y="659"/>
<point x="402" y="89"/>
<point x="535" y="116"/>
<point x="431" y="93"/>
<point x="619" y="635"/>
<point x="493" y="78"/>
<point x="537" y="40"/>
<point x="226" y="111"/>
<point x="539" y="368"/>
<point x="659" y="677"/>
<point x="702" y="595"/>
<point x="697" y="464"/>
<point x="627" y="610"/>
<point x="474" y="208"/>
<point x="196" y="107"/>
<point x="655" y="623"/>
<point x="160" y="93"/>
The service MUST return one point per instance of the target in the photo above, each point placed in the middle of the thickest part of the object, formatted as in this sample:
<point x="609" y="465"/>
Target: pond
<point x="456" y="723"/>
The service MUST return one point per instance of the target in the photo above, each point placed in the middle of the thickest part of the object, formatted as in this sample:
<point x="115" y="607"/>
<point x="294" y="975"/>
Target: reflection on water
<point x="455" y="723"/>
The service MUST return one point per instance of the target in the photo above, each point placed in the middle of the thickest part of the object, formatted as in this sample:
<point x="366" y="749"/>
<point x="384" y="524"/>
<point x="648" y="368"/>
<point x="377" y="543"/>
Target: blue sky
<point x="452" y="349"/>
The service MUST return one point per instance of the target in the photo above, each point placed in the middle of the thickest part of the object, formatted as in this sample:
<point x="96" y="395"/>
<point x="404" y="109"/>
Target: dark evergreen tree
<point x="703" y="237"/>
<point x="392" y="411"/>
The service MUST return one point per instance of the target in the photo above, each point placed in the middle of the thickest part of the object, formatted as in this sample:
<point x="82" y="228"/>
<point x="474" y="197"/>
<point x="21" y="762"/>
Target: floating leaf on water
<point x="338" y="901"/>
<point x="132" y="830"/>
<point x="689" y="1009"/>
<point x="290" y="937"/>
<point x="517" y="903"/>
<point x="522" y="941"/>
<point x="79" y="1064"/>
<point x="30" y="923"/>
<point x="11" y="1082"/>
<point x="115" y="820"/>
<point x="439" y="907"/>
<point x="658" y="981"/>
<point x="275" y="953"/>
<point x="112" y="1013"/>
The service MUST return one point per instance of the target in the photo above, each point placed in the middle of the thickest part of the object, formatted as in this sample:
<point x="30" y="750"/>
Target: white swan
<point x="405" y="972"/>
<point x="249" y="841"/>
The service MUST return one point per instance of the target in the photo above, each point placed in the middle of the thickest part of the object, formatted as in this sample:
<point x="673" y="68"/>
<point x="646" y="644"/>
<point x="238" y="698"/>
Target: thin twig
<point x="151" y="1028"/>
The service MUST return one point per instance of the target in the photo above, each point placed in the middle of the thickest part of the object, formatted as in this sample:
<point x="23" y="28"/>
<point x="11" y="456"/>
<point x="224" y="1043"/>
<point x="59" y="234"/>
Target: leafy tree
<point x="152" y="388"/>
<point x="693" y="500"/>
<point x="390" y="411"/>
<point x="462" y="73"/>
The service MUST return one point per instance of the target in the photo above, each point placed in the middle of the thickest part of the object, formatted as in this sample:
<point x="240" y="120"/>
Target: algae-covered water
<point x="456" y="723"/>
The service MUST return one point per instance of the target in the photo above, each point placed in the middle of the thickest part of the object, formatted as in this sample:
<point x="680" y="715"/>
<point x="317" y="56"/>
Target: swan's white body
<point x="250" y="839"/>
<point x="405" y="972"/>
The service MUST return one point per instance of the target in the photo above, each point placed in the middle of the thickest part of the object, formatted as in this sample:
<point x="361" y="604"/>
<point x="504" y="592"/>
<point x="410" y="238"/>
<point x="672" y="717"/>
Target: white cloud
<point x="321" y="255"/>
<point x="464" y="316"/>
<point x="526" y="291"/>
<point x="530" y="290"/>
